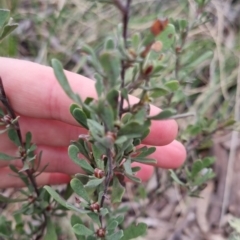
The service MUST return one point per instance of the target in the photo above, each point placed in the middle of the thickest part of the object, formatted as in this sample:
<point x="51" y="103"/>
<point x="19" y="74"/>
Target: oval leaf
<point x="79" y="189"/>
<point x="81" y="230"/>
<point x="73" y="152"/>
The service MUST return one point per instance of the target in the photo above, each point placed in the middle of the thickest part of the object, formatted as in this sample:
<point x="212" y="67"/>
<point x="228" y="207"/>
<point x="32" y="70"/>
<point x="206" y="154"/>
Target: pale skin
<point x="43" y="107"/>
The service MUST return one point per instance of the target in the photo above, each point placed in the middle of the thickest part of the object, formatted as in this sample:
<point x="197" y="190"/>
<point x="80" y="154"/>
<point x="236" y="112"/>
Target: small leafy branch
<point x="111" y="145"/>
<point x="115" y="129"/>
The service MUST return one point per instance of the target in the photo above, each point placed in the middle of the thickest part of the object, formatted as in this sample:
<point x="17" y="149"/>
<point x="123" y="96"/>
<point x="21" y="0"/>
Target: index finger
<point x="34" y="92"/>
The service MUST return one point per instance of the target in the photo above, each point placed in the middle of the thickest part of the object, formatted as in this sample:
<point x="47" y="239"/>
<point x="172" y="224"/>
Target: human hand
<point x="43" y="107"/>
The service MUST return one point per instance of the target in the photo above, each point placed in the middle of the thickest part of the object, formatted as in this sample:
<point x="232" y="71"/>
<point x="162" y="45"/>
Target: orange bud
<point x="98" y="173"/>
<point x="158" y="26"/>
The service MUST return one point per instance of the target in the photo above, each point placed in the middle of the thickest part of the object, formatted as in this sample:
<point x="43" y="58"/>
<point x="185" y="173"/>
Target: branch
<point x="125" y="20"/>
<point x="5" y="101"/>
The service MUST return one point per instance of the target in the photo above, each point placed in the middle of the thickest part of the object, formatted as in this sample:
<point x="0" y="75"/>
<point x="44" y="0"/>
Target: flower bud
<point x="95" y="207"/>
<point x="98" y="173"/>
<point x="101" y="232"/>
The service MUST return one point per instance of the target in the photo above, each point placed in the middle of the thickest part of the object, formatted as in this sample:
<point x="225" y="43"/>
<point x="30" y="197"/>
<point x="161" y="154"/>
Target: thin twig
<point x="5" y="101"/>
<point x="125" y="19"/>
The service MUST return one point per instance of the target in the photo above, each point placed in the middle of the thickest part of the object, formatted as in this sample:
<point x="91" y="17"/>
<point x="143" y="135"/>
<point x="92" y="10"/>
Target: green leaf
<point x="173" y="85"/>
<point x="136" y="39"/>
<point x="121" y="140"/>
<point x="93" y="183"/>
<point x="127" y="166"/>
<point x="6" y="157"/>
<point x="82" y="177"/>
<point x="107" y="116"/>
<point x="4" y="199"/>
<point x="134" y="231"/>
<point x="79" y="189"/>
<point x="73" y="152"/>
<point x="119" y="219"/>
<point x="146" y="152"/>
<point x="99" y="84"/>
<point x="167" y="37"/>
<point x="156" y="92"/>
<point x="7" y="30"/>
<point x="80" y="144"/>
<point x="144" y="160"/>
<point x="4" y="16"/>
<point x="81" y="230"/>
<point x="13" y="136"/>
<point x="196" y="167"/>
<point x="75" y="219"/>
<point x="112" y="98"/>
<point x="112" y="225"/>
<point x="51" y="231"/>
<point x="175" y="178"/>
<point x="28" y="140"/>
<point x="80" y="116"/>
<point x="62" y="79"/>
<point x="117" y="191"/>
<point x="116" y="236"/>
<point x="133" y="178"/>
<point x="62" y="201"/>
<point x="165" y="114"/>
<point x="131" y="130"/>
<point x="95" y="217"/>
<point x="104" y="211"/>
<point x="111" y="64"/>
<point x="95" y="127"/>
<point x="109" y="44"/>
<point x="97" y="154"/>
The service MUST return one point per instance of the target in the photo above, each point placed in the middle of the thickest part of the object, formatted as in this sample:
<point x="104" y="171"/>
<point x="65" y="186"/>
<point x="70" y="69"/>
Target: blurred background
<point x="209" y="73"/>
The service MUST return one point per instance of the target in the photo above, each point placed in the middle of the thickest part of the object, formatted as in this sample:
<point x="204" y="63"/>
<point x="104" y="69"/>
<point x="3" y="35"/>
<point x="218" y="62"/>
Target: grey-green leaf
<point x="73" y="152"/>
<point x="165" y="114"/>
<point x="133" y="178"/>
<point x="79" y="189"/>
<point x="173" y="85"/>
<point x="62" y="79"/>
<point x="131" y="129"/>
<point x="4" y="16"/>
<point x="117" y="191"/>
<point x="167" y="37"/>
<point x="144" y="160"/>
<point x="93" y="183"/>
<point x="62" y="202"/>
<point x="133" y="231"/>
<point x="80" y="116"/>
<point x="7" y="30"/>
<point x="116" y="236"/>
<point x="6" y="157"/>
<point x="51" y="231"/>
<point x="175" y="177"/>
<point x="4" y="199"/>
<point x="110" y="62"/>
<point x="82" y="230"/>
<point x="12" y="134"/>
